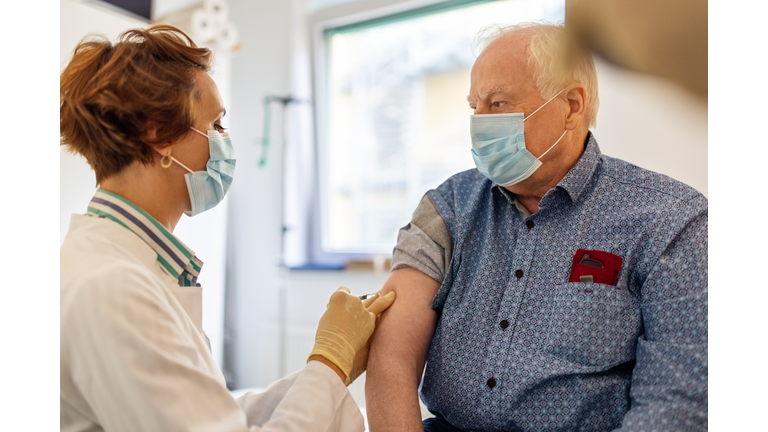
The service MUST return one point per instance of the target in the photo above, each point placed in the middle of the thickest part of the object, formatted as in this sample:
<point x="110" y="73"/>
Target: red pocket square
<point x="595" y="266"/>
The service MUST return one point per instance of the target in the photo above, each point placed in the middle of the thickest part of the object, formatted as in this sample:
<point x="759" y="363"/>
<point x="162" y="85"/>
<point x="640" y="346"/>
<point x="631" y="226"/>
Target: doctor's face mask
<point x="498" y="146"/>
<point x="207" y="188"/>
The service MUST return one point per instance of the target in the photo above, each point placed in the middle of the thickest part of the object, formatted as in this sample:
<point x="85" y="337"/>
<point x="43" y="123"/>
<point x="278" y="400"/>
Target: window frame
<point x="343" y="18"/>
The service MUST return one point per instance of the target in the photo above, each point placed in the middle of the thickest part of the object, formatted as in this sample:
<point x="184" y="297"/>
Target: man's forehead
<point x="514" y="44"/>
<point x="503" y="67"/>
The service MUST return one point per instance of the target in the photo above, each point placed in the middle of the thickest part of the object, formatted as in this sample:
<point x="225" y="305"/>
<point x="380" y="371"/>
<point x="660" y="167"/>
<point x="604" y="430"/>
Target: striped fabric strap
<point x="172" y="255"/>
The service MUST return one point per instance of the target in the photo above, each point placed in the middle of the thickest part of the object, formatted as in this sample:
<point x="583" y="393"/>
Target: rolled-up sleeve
<point x="424" y="244"/>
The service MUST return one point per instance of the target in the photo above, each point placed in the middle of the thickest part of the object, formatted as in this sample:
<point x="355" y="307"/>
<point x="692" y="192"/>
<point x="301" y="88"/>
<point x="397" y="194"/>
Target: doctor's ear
<point x="162" y="150"/>
<point x="150" y="130"/>
<point x="576" y="97"/>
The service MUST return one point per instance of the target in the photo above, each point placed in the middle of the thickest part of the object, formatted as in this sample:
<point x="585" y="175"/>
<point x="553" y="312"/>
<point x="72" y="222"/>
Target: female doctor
<point x="147" y="117"/>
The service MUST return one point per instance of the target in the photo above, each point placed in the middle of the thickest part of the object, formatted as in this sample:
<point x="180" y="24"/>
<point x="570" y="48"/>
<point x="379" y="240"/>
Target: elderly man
<point x="552" y="288"/>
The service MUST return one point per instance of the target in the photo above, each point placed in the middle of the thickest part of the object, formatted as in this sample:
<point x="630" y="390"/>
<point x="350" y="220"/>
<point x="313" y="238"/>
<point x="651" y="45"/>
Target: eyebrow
<point x="489" y="93"/>
<point x="493" y="91"/>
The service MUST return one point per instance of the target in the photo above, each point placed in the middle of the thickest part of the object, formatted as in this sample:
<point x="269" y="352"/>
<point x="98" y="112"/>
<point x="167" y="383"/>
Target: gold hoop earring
<point x="163" y="162"/>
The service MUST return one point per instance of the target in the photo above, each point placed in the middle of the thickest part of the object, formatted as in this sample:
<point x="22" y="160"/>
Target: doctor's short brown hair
<point x="113" y="94"/>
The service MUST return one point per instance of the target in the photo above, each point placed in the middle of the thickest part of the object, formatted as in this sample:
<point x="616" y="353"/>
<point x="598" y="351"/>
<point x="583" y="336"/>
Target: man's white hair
<point x="553" y="61"/>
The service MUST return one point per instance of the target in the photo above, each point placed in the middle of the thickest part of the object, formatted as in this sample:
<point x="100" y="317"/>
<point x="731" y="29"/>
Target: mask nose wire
<point x="545" y="104"/>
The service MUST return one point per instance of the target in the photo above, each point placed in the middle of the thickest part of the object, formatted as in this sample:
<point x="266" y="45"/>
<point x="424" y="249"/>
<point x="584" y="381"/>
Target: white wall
<point x="253" y="239"/>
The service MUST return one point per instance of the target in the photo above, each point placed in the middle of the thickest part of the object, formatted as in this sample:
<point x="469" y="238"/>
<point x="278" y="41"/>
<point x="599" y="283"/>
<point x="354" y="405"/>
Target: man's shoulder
<point x="469" y="177"/>
<point x="636" y="181"/>
<point x="460" y="192"/>
<point x="464" y="185"/>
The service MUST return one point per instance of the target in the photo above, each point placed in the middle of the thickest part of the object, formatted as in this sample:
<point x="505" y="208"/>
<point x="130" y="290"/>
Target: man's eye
<point x="498" y="104"/>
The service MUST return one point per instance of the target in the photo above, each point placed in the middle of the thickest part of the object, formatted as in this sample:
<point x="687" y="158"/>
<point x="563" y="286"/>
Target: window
<point x="392" y="113"/>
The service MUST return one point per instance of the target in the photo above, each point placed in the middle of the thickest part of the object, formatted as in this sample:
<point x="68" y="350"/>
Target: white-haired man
<point x="553" y="288"/>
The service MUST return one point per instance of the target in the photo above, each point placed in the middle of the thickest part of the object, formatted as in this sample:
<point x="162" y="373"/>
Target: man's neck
<point x="530" y="203"/>
<point x="530" y="191"/>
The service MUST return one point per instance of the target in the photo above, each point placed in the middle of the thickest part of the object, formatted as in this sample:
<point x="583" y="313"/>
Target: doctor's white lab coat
<point x="134" y="356"/>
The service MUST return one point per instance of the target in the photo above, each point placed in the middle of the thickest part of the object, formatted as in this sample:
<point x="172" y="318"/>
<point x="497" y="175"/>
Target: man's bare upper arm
<point x="406" y="328"/>
<point x="399" y="351"/>
<point x="404" y="331"/>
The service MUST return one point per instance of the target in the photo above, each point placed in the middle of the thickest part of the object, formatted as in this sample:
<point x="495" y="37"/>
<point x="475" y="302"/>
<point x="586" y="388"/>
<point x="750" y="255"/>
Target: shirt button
<point x="519" y="273"/>
<point x="504" y="324"/>
<point x="529" y="224"/>
<point x="491" y="383"/>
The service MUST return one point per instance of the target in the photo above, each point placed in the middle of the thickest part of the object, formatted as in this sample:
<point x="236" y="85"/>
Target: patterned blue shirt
<point x="518" y="347"/>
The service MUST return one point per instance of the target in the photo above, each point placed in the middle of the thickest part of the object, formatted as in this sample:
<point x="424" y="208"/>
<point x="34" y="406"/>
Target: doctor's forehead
<point x="210" y="100"/>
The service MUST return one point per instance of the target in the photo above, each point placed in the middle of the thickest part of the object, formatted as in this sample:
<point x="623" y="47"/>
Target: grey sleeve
<point x="425" y="243"/>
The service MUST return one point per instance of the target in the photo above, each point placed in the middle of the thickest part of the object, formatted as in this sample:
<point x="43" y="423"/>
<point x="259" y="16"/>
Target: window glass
<point x="397" y="121"/>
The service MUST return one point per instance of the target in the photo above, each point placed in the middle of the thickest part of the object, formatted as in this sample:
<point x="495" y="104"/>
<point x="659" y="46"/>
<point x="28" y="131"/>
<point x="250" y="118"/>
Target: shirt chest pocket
<point x="592" y="325"/>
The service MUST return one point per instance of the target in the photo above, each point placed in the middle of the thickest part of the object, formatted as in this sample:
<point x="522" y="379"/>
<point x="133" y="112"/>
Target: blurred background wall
<point x="645" y="120"/>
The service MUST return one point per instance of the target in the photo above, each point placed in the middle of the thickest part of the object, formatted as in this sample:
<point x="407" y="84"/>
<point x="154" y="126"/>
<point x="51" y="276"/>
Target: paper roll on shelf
<point x="218" y="10"/>
<point x="228" y="37"/>
<point x="204" y="27"/>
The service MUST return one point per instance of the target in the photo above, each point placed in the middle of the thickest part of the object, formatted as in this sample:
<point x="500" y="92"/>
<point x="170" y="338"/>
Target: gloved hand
<point x="345" y="329"/>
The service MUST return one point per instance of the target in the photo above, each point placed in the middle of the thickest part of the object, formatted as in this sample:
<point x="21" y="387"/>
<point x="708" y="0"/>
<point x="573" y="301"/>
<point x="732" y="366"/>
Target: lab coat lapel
<point x="191" y="299"/>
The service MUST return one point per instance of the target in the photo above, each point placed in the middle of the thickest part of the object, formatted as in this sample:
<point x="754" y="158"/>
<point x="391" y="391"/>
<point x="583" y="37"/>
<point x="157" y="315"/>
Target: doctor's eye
<point x="219" y="128"/>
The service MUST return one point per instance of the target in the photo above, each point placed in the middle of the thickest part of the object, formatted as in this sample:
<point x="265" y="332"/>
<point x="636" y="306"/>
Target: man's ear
<point x="576" y="96"/>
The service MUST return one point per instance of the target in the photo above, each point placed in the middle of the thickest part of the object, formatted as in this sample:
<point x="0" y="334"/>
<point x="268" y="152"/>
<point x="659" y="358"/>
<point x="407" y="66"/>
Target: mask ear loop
<point x="553" y="145"/>
<point x="205" y="135"/>
<point x="545" y="104"/>
<point x="537" y="110"/>
<point x="185" y="167"/>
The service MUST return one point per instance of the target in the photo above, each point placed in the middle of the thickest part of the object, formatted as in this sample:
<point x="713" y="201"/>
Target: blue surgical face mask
<point x="498" y="146"/>
<point x="207" y="188"/>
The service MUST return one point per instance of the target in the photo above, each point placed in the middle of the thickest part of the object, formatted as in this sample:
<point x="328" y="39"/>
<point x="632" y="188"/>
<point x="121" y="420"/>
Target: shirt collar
<point x="172" y="255"/>
<point x="578" y="179"/>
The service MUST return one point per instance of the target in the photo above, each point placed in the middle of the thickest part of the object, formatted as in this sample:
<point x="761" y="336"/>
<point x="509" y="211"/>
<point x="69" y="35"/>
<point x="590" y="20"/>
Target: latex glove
<point x="344" y="331"/>
<point x="360" y="364"/>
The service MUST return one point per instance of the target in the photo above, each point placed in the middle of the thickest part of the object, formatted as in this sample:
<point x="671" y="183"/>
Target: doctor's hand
<point x="344" y="333"/>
